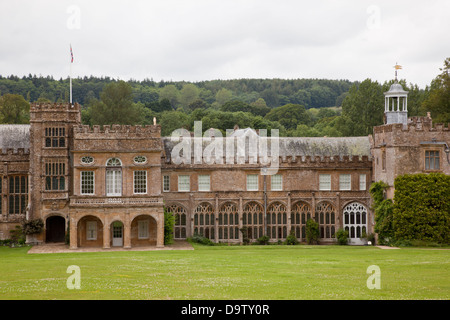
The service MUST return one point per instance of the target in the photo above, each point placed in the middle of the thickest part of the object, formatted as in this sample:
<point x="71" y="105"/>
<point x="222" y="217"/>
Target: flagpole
<point x="70" y="79"/>
<point x="70" y="74"/>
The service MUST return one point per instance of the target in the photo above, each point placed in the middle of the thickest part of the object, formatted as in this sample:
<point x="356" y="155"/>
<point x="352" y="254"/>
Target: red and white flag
<point x="71" y="54"/>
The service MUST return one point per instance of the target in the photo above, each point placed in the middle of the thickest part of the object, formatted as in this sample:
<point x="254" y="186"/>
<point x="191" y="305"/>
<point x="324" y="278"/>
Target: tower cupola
<point x="396" y="102"/>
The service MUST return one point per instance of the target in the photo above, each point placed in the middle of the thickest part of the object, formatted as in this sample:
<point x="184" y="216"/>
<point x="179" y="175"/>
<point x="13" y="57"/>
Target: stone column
<point x="127" y="232"/>
<point x="288" y="209"/>
<point x="240" y="219"/>
<point x="216" y="219"/>
<point x="106" y="235"/>
<point x="160" y="230"/>
<point x="73" y="234"/>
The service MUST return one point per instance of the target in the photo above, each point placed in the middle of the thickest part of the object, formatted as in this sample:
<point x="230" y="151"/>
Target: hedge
<point x="422" y="207"/>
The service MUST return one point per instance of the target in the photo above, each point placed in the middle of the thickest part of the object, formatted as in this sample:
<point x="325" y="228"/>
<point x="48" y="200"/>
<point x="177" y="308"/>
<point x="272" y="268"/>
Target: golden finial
<point x="397" y="67"/>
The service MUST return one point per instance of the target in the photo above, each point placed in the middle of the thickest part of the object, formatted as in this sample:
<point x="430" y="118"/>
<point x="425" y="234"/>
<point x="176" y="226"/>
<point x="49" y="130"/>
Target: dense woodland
<point x="297" y="107"/>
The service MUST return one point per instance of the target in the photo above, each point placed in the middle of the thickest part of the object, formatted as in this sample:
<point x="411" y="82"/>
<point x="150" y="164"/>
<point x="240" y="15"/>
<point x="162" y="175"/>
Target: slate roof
<point x="14" y="136"/>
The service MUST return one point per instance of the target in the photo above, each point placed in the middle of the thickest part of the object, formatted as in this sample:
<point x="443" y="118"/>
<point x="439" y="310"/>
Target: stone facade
<point x="108" y="186"/>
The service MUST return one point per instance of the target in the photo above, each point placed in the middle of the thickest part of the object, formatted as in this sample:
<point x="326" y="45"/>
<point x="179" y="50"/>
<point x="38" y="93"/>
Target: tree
<point x="116" y="106"/>
<point x="14" y="109"/>
<point x="364" y="106"/>
<point x="289" y="115"/>
<point x="171" y="93"/>
<point x="223" y="95"/>
<point x="438" y="101"/>
<point x="188" y="94"/>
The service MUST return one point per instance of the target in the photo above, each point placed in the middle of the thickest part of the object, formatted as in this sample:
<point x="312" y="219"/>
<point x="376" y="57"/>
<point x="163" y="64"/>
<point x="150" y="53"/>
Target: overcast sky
<point x="196" y="40"/>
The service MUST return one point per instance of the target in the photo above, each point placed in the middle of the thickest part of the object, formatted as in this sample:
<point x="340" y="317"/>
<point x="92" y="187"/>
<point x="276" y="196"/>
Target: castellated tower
<point x="50" y="179"/>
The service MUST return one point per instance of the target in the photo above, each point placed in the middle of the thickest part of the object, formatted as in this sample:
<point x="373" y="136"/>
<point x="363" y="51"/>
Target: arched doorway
<point x="55" y="229"/>
<point x="355" y="222"/>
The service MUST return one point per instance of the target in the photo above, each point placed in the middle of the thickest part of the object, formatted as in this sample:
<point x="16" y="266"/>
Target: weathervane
<point x="397" y="67"/>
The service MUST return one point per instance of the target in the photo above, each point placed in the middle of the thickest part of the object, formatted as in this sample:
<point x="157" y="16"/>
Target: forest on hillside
<point x="296" y="107"/>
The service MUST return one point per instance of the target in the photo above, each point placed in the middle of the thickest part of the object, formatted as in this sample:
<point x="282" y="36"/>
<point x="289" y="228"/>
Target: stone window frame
<point x="140" y="181"/>
<point x="438" y="158"/>
<point x="204" y="185"/>
<point x="166" y="183"/>
<point x="362" y="182"/>
<point x="55" y="137"/>
<point x="345" y="181"/>
<point x="55" y="171"/>
<point x="143" y="229"/>
<point x="140" y="160"/>
<point x="84" y="182"/>
<point x="324" y="185"/>
<point x="91" y="230"/>
<point x="18" y="194"/>
<point x="252" y="185"/>
<point x="274" y="184"/>
<point x="184" y="186"/>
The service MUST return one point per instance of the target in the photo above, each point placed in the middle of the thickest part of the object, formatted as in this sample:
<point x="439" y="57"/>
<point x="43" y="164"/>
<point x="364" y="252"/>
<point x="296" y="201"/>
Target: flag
<point x="71" y="54"/>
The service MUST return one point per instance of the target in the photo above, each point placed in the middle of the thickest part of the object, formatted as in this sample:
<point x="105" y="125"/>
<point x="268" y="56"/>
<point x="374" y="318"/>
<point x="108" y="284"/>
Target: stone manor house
<point x="108" y="186"/>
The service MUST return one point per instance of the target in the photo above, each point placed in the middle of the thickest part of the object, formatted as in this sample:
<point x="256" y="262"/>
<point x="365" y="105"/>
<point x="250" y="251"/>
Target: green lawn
<point x="229" y="272"/>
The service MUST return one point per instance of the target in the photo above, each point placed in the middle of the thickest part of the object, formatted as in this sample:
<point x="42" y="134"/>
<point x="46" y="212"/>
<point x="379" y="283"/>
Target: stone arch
<point x="55" y="227"/>
<point x="355" y="216"/>
<point x="90" y="231"/>
<point x="180" y="214"/>
<point x="143" y="230"/>
<point x="204" y="220"/>
<point x="253" y="220"/>
<point x="228" y="221"/>
<point x="326" y="217"/>
<point x="300" y="213"/>
<point x="277" y="220"/>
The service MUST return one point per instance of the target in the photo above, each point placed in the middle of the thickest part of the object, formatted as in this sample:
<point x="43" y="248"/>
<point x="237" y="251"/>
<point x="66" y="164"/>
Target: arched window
<point x="276" y="227"/>
<point x="326" y="216"/>
<point x="355" y="219"/>
<point x="255" y="225"/>
<point x="204" y="220"/>
<point x="113" y="177"/>
<point x="228" y="221"/>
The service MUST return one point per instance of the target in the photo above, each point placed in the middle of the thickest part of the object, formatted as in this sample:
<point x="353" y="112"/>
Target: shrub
<point x="169" y="222"/>
<point x="198" y="238"/>
<point x="17" y="236"/>
<point x="312" y="232"/>
<point x="33" y="226"/>
<point x="291" y="239"/>
<point x="264" y="240"/>
<point x="342" y="236"/>
<point x="245" y="239"/>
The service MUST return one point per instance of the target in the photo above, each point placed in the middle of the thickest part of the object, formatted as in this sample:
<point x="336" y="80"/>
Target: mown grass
<point x="235" y="272"/>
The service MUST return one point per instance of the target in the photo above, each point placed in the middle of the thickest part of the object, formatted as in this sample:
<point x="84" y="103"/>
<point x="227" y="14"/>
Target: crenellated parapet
<point x="119" y="138"/>
<point x="118" y="130"/>
<point x="36" y="107"/>
<point x="12" y="151"/>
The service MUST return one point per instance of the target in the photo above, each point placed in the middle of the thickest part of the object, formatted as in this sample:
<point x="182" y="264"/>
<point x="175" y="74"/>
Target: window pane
<point x="203" y="182"/>
<point x="324" y="182"/>
<point x="183" y="183"/>
<point x="276" y="181"/>
<point x="140" y="181"/>
<point x="252" y="182"/>
<point x="345" y="182"/>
